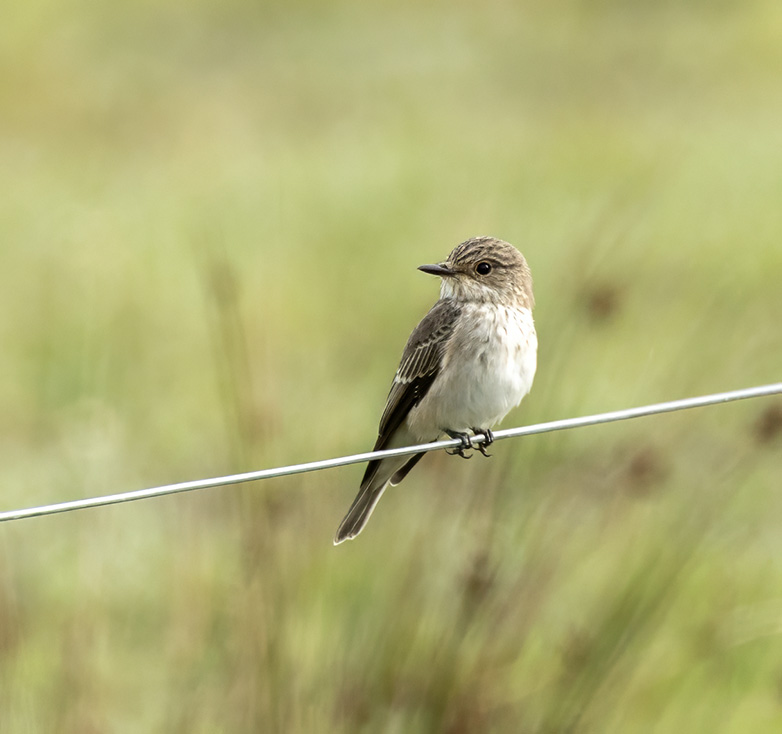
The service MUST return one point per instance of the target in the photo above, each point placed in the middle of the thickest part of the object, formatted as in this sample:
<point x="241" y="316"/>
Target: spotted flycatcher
<point x="470" y="360"/>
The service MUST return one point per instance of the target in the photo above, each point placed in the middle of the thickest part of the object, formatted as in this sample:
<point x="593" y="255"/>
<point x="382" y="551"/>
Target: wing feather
<point x="417" y="370"/>
<point x="419" y="365"/>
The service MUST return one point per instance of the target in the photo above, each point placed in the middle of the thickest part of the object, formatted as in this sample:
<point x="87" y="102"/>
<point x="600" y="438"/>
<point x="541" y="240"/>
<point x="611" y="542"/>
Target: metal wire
<point x="253" y="476"/>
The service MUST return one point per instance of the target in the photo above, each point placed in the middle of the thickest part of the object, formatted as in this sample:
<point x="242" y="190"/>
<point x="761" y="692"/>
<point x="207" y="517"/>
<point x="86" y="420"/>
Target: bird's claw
<point x="488" y="440"/>
<point x="466" y="444"/>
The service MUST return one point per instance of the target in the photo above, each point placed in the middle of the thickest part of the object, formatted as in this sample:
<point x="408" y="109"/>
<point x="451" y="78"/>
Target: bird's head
<point x="485" y="269"/>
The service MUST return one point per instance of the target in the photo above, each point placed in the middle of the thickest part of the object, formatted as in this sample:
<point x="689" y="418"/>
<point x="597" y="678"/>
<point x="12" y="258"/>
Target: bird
<point x="469" y="361"/>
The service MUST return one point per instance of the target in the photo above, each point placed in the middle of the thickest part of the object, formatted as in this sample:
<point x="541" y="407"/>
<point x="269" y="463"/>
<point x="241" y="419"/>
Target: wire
<point x="254" y="476"/>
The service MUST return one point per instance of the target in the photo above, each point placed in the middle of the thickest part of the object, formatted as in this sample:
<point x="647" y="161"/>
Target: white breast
<point x="488" y="367"/>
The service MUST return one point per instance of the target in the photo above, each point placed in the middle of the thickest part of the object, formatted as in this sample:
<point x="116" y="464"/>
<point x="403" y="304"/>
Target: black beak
<point x="441" y="270"/>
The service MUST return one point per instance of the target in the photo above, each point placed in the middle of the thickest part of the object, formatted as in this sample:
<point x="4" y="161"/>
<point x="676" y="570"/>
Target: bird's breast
<point x="487" y="368"/>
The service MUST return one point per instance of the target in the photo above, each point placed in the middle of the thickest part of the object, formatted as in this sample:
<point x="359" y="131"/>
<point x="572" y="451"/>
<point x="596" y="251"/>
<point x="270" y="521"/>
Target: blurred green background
<point x="210" y="222"/>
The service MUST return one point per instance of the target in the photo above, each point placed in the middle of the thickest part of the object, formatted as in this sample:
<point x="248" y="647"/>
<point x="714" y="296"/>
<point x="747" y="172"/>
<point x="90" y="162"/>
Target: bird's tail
<point x="379" y="474"/>
<point x="359" y="512"/>
<point x="378" y="478"/>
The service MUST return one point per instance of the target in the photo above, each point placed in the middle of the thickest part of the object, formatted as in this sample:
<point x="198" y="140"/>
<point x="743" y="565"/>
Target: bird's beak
<point x="442" y="270"/>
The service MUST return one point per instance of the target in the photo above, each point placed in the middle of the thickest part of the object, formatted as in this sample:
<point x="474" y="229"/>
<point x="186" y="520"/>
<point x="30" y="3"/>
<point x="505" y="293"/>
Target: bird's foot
<point x="488" y="440"/>
<point x="466" y="444"/>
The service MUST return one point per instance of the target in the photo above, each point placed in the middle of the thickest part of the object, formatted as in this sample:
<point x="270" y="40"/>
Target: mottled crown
<point x="508" y="277"/>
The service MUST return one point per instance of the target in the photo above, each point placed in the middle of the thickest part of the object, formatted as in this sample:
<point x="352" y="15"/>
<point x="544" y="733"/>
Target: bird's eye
<point x="483" y="268"/>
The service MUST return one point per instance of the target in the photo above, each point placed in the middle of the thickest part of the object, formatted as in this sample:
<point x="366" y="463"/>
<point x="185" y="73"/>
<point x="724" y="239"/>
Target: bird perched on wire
<point x="470" y="360"/>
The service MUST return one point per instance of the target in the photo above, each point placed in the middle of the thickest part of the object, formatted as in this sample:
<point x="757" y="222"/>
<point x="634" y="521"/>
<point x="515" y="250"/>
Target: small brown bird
<point x="470" y="360"/>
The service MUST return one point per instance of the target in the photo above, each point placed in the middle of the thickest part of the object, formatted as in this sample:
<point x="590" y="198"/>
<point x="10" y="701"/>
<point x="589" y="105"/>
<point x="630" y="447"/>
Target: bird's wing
<point x="419" y="366"/>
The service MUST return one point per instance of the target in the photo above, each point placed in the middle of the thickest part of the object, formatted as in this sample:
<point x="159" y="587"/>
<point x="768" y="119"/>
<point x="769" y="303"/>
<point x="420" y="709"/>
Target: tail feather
<point x="359" y="512"/>
<point x="400" y="474"/>
<point x="379" y="474"/>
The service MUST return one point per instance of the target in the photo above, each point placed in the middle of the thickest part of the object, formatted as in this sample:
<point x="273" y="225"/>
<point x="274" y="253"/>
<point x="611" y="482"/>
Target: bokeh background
<point x="210" y="220"/>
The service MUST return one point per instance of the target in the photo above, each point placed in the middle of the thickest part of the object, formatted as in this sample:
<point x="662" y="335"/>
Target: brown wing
<point x="417" y="370"/>
<point x="419" y="365"/>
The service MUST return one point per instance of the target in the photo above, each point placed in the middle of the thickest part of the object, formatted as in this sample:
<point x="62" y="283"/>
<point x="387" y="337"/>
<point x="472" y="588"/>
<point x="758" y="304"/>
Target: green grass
<point x="210" y="223"/>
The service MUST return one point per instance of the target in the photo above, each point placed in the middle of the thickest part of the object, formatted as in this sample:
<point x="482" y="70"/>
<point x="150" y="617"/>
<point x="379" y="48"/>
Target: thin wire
<point x="253" y="476"/>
